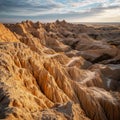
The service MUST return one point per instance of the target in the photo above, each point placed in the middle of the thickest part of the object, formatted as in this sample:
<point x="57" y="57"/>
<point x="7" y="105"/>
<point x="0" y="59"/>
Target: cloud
<point x="86" y="2"/>
<point x="27" y="7"/>
<point x="59" y="9"/>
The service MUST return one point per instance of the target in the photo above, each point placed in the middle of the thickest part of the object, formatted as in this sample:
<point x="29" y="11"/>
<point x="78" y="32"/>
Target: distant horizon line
<point x="60" y="21"/>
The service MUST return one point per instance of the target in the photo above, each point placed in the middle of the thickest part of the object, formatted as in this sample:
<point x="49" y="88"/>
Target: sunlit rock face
<point x="59" y="71"/>
<point x="6" y="35"/>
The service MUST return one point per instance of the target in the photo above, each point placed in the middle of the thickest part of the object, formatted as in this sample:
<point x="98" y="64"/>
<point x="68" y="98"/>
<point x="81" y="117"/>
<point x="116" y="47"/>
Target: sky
<point x="51" y="10"/>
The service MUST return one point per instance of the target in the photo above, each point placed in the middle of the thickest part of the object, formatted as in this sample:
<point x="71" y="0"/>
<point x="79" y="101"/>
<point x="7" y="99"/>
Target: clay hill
<point x="59" y="71"/>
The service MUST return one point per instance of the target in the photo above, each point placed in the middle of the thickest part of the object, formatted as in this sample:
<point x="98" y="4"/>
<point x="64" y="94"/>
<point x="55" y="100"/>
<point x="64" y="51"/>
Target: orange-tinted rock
<point x="38" y="80"/>
<point x="6" y="35"/>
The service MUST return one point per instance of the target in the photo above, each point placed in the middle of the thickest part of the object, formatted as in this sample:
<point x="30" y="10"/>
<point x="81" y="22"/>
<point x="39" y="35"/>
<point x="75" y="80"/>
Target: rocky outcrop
<point x="111" y="75"/>
<point x="6" y="35"/>
<point x="37" y="82"/>
<point x="34" y="80"/>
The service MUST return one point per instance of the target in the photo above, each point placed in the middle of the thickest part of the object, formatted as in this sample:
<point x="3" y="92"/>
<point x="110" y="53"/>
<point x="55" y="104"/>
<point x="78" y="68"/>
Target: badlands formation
<point x="59" y="71"/>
